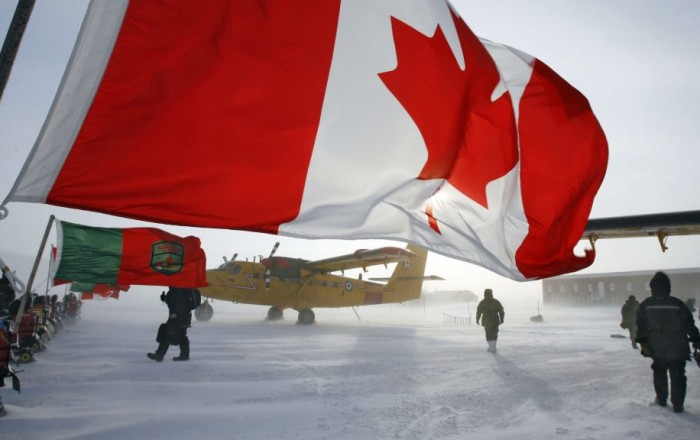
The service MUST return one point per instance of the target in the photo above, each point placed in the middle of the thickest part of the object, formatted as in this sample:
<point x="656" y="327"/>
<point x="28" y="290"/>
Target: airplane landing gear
<point x="275" y="313"/>
<point x="204" y="312"/>
<point x="306" y="316"/>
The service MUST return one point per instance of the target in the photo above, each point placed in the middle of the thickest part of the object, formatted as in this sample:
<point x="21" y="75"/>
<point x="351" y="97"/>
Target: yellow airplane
<point x="295" y="283"/>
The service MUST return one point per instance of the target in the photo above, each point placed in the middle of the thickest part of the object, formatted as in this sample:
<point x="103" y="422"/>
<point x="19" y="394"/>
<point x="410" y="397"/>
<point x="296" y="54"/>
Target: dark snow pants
<point x="662" y="370"/>
<point x="633" y="336"/>
<point x="179" y="335"/>
<point x="491" y="332"/>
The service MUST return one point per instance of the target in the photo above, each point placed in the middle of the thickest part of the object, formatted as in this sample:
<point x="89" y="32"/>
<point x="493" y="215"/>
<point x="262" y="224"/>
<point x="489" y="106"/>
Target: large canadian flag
<point x="323" y="119"/>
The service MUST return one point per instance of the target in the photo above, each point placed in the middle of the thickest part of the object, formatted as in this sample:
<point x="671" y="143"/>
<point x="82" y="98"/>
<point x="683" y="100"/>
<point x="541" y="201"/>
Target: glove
<point x="501" y="321"/>
<point x="646" y="352"/>
<point x="173" y="316"/>
<point x="477" y="322"/>
<point x="162" y="296"/>
<point x="696" y="345"/>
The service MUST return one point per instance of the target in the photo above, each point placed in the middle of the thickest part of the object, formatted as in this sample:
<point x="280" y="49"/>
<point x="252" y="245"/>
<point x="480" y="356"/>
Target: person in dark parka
<point x="664" y="327"/>
<point x="629" y="318"/>
<point x="174" y="332"/>
<point x="7" y="293"/>
<point x="490" y="313"/>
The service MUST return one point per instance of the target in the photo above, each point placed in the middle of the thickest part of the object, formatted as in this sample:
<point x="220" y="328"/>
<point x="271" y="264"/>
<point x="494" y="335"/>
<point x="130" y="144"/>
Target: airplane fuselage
<point x="295" y="283"/>
<point x="247" y="283"/>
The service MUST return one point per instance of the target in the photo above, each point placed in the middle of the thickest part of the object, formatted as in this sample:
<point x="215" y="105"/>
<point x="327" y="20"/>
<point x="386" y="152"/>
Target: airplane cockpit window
<point x="235" y="270"/>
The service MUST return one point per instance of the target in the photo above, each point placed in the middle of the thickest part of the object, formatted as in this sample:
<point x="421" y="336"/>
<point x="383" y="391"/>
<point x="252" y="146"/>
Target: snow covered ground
<point x="400" y="373"/>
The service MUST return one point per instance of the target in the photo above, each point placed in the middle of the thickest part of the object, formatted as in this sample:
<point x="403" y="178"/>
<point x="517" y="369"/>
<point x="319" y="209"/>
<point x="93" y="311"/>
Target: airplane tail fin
<point x="406" y="283"/>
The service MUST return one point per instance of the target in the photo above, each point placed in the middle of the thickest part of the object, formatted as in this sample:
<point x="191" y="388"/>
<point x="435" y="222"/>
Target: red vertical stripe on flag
<point x="563" y="160"/>
<point x="52" y="265"/>
<point x="199" y="90"/>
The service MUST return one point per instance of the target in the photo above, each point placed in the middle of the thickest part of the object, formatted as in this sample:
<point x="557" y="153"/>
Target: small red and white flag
<point x="323" y="119"/>
<point x="90" y="291"/>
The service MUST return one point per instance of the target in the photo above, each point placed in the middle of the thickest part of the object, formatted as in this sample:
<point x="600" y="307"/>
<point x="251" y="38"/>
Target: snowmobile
<point x="25" y="338"/>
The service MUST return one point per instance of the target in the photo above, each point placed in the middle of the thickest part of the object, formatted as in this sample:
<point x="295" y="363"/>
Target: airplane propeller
<point x="267" y="272"/>
<point x="274" y="249"/>
<point x="226" y="260"/>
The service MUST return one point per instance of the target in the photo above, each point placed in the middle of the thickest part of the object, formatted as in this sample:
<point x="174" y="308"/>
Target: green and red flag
<point x="115" y="256"/>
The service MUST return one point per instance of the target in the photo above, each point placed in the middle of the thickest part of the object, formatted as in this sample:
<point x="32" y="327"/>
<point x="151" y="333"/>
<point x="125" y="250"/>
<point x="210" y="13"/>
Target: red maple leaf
<point x="471" y="139"/>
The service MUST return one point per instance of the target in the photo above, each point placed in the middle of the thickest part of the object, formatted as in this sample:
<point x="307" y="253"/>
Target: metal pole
<point x="48" y="276"/>
<point x="13" y="39"/>
<point x="28" y="292"/>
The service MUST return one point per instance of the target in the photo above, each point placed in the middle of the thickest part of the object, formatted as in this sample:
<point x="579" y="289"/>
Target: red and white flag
<point x="101" y="291"/>
<point x="323" y="119"/>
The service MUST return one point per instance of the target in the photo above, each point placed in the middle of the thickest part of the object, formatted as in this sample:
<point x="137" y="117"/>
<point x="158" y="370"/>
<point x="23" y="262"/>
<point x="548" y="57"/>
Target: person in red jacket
<point x="664" y="327"/>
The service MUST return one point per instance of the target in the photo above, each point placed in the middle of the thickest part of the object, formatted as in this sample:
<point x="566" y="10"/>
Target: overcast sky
<point x="636" y="61"/>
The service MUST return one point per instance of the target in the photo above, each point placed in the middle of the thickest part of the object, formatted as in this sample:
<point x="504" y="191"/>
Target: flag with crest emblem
<point x="121" y="257"/>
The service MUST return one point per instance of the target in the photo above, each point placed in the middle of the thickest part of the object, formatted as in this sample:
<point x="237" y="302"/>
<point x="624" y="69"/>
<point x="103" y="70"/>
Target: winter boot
<point x="155" y="356"/>
<point x="159" y="354"/>
<point x="184" y="350"/>
<point x="492" y="347"/>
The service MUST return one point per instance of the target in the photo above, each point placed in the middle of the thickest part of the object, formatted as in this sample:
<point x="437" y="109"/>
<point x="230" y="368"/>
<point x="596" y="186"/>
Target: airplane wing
<point x="362" y="258"/>
<point x="659" y="225"/>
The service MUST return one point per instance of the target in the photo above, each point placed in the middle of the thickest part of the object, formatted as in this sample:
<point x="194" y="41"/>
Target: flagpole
<point x="48" y="278"/>
<point x="28" y="291"/>
<point x="13" y="39"/>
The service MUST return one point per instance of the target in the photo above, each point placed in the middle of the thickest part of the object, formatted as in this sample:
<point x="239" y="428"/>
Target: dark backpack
<point x="194" y="299"/>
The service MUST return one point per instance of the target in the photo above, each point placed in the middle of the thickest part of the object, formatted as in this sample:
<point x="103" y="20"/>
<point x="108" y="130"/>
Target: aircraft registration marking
<point x="347" y="285"/>
<point x="250" y="283"/>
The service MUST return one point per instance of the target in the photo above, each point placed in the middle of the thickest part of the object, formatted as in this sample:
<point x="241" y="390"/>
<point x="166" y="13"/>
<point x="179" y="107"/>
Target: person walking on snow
<point x="629" y="318"/>
<point x="181" y="302"/>
<point x="490" y="313"/>
<point x="664" y="327"/>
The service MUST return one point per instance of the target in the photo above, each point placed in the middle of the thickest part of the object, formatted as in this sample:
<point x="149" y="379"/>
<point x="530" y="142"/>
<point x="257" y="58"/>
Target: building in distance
<point x="615" y="287"/>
